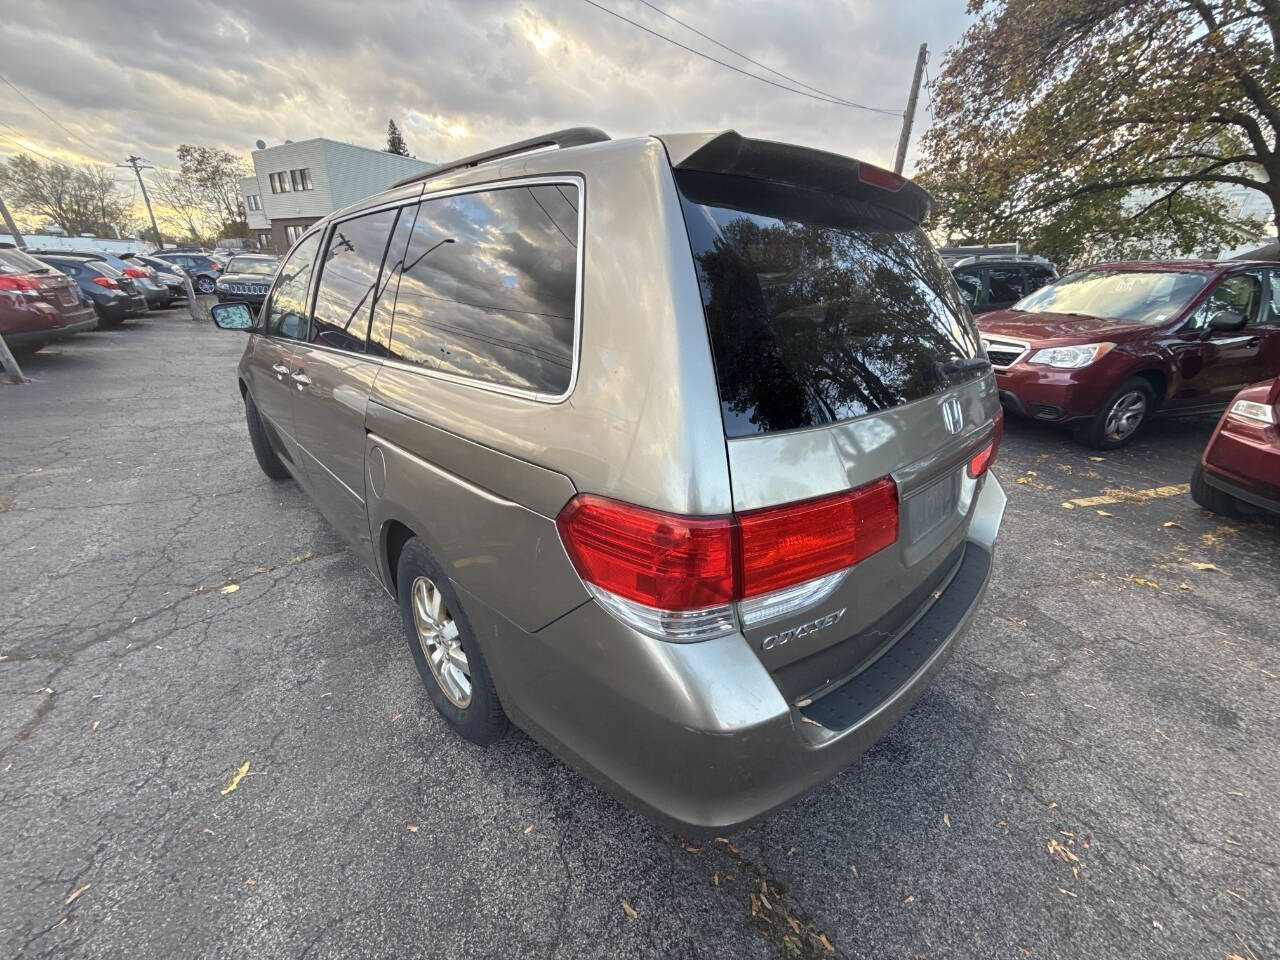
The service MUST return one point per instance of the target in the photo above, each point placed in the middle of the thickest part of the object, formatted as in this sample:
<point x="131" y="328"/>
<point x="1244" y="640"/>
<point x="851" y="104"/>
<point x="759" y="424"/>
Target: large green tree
<point x="1089" y="128"/>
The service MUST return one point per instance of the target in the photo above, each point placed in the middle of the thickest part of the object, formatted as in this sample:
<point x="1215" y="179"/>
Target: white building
<point x="297" y="183"/>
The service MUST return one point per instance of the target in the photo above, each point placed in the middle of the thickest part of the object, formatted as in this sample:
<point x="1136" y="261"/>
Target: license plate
<point x="931" y="507"/>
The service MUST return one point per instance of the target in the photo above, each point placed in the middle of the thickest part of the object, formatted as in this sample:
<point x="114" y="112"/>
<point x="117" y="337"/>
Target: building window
<point x="252" y="201"/>
<point x="293" y="232"/>
<point x="301" y="178"/>
<point x="279" y="183"/>
<point x="264" y="241"/>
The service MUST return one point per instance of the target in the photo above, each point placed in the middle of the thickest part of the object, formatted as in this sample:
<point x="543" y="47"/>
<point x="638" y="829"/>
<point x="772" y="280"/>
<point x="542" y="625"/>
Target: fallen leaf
<point x="1103" y="513"/>
<point x="1229" y="892"/>
<point x="1065" y="892"/>
<point x="910" y="899"/>
<point x="1098" y="459"/>
<point x="1204" y="566"/>
<point x="411" y="827"/>
<point x="1068" y="506"/>
<point x="853" y="869"/>
<point x="251" y="882"/>
<point x="765" y="902"/>
<point x="794" y="923"/>
<point x="1144" y="582"/>
<point x="396" y="717"/>
<point x="76" y="895"/>
<point x="715" y="880"/>
<point x="528" y="829"/>
<point x="236" y="778"/>
<point x="1024" y="480"/>
<point x="946" y="820"/>
<point x="1172" y="523"/>
<point x="1061" y="852"/>
<point x="826" y="944"/>
<point x="1184" y="586"/>
<point x="629" y="910"/>
<point x="209" y="832"/>
<point x="728" y="845"/>
<point x="229" y="588"/>
<point x="805" y="702"/>
<point x="791" y="851"/>
<point x="1032" y="473"/>
<point x="804" y="719"/>
<point x="95" y="724"/>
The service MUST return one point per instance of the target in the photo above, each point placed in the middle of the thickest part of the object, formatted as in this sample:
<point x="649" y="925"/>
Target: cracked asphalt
<point x="1094" y="774"/>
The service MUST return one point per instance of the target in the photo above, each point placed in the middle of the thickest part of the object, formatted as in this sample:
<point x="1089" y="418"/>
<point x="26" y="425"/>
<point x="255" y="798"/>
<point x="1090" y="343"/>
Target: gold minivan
<point x="674" y="451"/>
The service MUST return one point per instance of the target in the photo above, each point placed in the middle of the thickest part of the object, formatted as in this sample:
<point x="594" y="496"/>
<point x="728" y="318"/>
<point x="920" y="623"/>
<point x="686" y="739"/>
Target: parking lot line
<point x="1130" y="496"/>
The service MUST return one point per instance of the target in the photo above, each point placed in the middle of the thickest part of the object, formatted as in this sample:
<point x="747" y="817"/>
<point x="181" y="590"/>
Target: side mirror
<point x="232" y="316"/>
<point x="1226" y="321"/>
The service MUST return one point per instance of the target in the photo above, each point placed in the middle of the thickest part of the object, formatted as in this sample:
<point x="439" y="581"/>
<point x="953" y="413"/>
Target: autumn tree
<point x="213" y="176"/>
<point x="83" y="198"/>
<point x="395" y="142"/>
<point x="1089" y="128"/>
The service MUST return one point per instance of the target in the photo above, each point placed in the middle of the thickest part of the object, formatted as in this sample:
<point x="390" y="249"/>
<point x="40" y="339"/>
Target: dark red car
<point x="1107" y="347"/>
<point x="1240" y="468"/>
<point x="38" y="304"/>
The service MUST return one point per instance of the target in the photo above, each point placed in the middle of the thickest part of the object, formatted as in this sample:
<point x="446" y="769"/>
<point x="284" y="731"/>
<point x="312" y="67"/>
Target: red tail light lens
<point x="656" y="559"/>
<point x="879" y="177"/>
<point x="19" y="282"/>
<point x="783" y="546"/>
<point x="982" y="461"/>
<point x="678" y="563"/>
<point x="215" y="264"/>
<point x="107" y="282"/>
<point x="137" y="272"/>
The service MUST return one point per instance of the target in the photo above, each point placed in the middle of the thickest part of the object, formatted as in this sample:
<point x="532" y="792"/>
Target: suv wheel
<point x="271" y="464"/>
<point x="1213" y="499"/>
<point x="444" y="648"/>
<point x="1121" y="417"/>
<point x="204" y="285"/>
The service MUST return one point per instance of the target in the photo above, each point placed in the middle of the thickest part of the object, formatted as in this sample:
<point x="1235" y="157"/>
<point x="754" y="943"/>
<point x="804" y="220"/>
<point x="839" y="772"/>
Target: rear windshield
<point x="1135" y="296"/>
<point x="812" y="324"/>
<point x="252" y="266"/>
<point x="15" y="261"/>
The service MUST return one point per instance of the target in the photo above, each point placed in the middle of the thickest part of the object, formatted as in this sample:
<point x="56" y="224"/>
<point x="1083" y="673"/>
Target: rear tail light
<point x="20" y="283"/>
<point x="983" y="459"/>
<point x="690" y="578"/>
<point x="135" y="272"/>
<point x="215" y="264"/>
<point x="879" y="177"/>
<point x="107" y="282"/>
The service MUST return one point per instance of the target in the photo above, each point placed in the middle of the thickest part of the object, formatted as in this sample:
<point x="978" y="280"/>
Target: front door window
<point x="285" y="313"/>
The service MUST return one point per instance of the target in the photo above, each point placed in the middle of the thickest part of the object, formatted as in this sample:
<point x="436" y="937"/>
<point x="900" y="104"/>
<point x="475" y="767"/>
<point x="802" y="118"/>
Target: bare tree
<point x="80" y="199"/>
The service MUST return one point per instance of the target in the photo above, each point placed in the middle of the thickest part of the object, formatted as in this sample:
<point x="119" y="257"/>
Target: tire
<point x="478" y="716"/>
<point x="204" y="285"/>
<point x="1213" y="499"/>
<point x="271" y="465"/>
<point x="1114" y="425"/>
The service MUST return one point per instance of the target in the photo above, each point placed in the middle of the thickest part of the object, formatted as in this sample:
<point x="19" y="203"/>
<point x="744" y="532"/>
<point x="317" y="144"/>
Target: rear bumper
<point x="698" y="735"/>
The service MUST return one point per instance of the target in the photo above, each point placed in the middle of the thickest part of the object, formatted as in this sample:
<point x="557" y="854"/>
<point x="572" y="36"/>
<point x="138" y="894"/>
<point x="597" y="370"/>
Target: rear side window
<point x="348" y="277"/>
<point x="1005" y="284"/>
<point x="15" y="261"/>
<point x="813" y="324"/>
<point x="487" y="286"/>
<point x="1037" y="277"/>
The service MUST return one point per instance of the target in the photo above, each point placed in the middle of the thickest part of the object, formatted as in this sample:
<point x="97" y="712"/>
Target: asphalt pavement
<point x="1093" y="775"/>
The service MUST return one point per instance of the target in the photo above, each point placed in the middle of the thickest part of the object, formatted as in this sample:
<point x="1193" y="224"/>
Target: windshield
<point x="253" y="267"/>
<point x="1134" y="296"/>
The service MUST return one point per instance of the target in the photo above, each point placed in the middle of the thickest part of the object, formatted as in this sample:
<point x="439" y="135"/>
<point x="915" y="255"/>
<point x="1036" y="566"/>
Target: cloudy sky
<point x="457" y="75"/>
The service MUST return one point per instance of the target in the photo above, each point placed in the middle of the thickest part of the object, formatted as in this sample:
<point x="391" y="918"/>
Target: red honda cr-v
<point x="1106" y="347"/>
<point x="1240" y="468"/>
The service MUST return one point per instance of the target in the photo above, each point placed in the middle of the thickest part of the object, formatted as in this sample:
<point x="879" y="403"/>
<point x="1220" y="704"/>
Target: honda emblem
<point x="952" y="415"/>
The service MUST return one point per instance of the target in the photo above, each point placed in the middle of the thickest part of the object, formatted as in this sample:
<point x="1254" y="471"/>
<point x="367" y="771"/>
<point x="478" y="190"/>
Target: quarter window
<point x="970" y="286"/>
<point x="1004" y="284"/>
<point x="348" y="280"/>
<point x="286" y="312"/>
<point x="487" y="286"/>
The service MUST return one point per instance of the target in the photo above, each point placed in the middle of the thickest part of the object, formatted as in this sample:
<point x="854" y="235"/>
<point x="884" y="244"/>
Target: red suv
<point x="1106" y="347"/>
<point x="1240" y="468"/>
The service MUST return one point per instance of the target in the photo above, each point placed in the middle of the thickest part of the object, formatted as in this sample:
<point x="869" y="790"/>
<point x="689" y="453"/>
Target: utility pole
<point x="905" y="137"/>
<point x="137" y="172"/>
<point x="12" y="373"/>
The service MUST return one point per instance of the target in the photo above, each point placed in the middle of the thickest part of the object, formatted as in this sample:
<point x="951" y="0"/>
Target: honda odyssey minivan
<point x="674" y="451"/>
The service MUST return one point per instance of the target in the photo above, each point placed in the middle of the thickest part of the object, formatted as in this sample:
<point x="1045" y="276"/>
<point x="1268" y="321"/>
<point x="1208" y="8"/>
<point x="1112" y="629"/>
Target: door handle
<point x="301" y="379"/>
<point x="280" y="370"/>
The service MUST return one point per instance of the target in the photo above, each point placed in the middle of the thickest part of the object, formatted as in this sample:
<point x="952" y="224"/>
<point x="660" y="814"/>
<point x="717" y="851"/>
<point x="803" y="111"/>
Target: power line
<point x="22" y="147"/>
<point x="51" y="117"/>
<point x="746" y="73"/>
<point x="762" y="66"/>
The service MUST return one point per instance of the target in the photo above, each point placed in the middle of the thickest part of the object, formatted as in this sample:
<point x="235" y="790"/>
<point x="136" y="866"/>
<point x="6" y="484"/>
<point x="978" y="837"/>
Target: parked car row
<point x="48" y="295"/>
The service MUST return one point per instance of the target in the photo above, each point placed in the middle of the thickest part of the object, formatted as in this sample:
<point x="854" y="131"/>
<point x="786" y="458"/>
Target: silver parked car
<point x="673" y="450"/>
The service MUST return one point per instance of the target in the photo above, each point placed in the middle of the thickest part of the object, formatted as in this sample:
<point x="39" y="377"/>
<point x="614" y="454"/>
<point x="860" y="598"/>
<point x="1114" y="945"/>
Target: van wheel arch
<point x="394" y="536"/>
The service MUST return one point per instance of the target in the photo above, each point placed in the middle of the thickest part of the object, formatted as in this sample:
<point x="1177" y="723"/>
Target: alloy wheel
<point x="1125" y="415"/>
<point x="441" y="644"/>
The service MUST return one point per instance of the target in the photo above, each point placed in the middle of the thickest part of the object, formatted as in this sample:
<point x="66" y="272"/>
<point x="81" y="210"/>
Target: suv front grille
<point x="247" y="289"/>
<point x="1003" y="353"/>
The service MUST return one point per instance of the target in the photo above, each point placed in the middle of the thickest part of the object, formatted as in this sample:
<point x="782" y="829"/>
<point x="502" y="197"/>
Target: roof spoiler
<point x="787" y="166"/>
<point x="571" y="137"/>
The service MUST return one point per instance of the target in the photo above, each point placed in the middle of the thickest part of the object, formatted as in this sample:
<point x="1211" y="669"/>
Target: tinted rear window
<point x="15" y="261"/>
<point x="813" y="324"/>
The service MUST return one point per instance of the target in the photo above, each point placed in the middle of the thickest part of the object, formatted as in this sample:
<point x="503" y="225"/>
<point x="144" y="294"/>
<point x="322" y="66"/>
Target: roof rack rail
<point x="572" y="137"/>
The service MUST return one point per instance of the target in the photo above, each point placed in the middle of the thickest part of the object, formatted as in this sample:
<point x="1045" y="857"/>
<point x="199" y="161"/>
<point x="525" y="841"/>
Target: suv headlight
<point x="1070" y="358"/>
